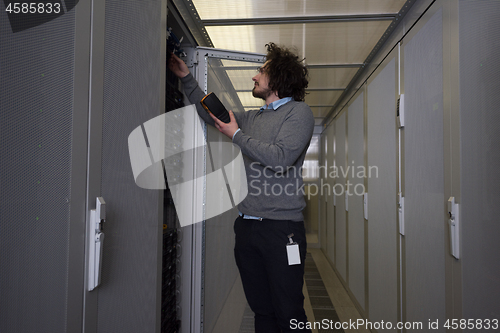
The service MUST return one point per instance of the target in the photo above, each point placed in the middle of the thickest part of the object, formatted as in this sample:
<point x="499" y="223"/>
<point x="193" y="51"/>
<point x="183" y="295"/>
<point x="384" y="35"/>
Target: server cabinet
<point x="382" y="184"/>
<point x="127" y="90"/>
<point x="357" y="172"/>
<point x="72" y="90"/>
<point x="324" y="202"/>
<point x="424" y="173"/>
<point x="341" y="197"/>
<point x="330" y="210"/>
<point x="480" y="146"/>
<point x="44" y="80"/>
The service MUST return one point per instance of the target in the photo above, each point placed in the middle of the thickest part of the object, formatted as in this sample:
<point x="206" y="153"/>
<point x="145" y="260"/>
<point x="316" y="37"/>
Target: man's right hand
<point x="177" y="66"/>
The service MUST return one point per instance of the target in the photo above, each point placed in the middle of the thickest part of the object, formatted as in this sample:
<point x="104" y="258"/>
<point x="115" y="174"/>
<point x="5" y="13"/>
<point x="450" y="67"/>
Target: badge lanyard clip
<point x="292" y="251"/>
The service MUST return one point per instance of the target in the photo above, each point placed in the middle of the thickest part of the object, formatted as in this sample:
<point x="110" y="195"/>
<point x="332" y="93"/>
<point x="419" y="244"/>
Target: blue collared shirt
<point x="274" y="105"/>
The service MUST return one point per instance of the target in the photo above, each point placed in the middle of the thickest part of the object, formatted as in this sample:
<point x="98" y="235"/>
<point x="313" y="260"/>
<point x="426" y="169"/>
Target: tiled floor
<point x="340" y="299"/>
<point x="326" y="297"/>
<point x="321" y="305"/>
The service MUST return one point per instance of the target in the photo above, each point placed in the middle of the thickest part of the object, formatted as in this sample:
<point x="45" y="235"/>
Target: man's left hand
<point x="226" y="129"/>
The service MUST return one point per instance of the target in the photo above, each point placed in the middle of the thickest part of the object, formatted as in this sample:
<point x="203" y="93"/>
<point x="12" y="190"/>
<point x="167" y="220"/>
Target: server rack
<point x="170" y="264"/>
<point x="170" y="307"/>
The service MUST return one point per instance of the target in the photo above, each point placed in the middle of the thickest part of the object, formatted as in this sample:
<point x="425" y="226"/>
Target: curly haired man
<point x="274" y="141"/>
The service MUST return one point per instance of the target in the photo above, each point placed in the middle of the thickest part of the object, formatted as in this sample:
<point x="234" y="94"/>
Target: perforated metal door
<point x="424" y="174"/>
<point x="42" y="174"/>
<point x="340" y="212"/>
<point x="382" y="219"/>
<point x="356" y="221"/>
<point x="480" y="144"/>
<point x="129" y="297"/>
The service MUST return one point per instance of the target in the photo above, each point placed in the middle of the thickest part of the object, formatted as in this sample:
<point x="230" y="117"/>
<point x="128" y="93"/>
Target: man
<point x="273" y="141"/>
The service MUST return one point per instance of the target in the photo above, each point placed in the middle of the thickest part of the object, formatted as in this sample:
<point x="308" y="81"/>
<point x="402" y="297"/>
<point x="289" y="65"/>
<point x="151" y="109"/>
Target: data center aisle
<point x="325" y="297"/>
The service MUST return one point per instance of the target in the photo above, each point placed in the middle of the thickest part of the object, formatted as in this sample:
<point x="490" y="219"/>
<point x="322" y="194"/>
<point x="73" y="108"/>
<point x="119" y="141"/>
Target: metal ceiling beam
<point x="334" y="66"/>
<point x="318" y="66"/>
<point x="325" y="89"/>
<point x="190" y="16"/>
<point x="311" y="89"/>
<point x="311" y="106"/>
<point x="299" y="19"/>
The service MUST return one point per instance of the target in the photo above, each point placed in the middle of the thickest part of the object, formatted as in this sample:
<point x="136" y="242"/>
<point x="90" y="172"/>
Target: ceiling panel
<point x="319" y="43"/>
<point x="322" y="98"/>
<point x="330" y="77"/>
<point x="231" y="9"/>
<point x="320" y="112"/>
<point x="242" y="80"/>
<point x="342" y="43"/>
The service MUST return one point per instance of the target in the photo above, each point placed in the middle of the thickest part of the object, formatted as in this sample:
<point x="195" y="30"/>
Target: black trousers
<point x="272" y="287"/>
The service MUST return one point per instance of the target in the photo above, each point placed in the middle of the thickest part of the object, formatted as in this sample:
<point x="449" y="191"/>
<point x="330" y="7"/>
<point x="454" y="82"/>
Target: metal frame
<point x="312" y="89"/>
<point x="366" y="230"/>
<point x="325" y="89"/>
<point x="311" y="106"/>
<point x="200" y="60"/>
<point x="318" y="66"/>
<point x="231" y="55"/>
<point x="159" y="239"/>
<point x="192" y="247"/>
<point x="95" y="114"/>
<point x="400" y="242"/>
<point x="452" y="149"/>
<point x="77" y="200"/>
<point x="334" y="66"/>
<point x="299" y="19"/>
<point x="335" y="181"/>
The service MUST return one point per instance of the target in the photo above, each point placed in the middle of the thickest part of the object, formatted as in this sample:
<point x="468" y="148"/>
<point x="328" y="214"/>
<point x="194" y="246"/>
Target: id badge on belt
<point x="292" y="251"/>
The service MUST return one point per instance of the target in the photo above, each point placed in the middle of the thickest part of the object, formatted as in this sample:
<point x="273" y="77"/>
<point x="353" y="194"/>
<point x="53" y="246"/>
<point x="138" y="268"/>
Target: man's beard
<point x="261" y="94"/>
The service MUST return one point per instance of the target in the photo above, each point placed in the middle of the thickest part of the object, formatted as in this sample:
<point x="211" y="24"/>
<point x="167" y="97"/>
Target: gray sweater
<point x="274" y="144"/>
